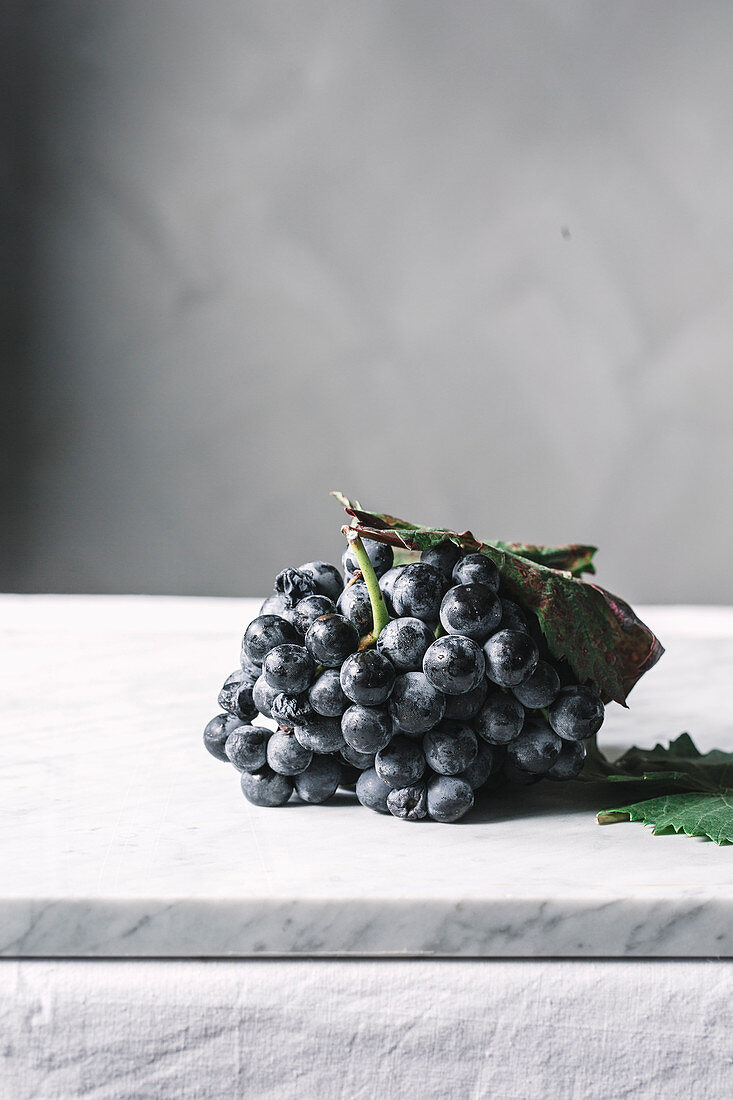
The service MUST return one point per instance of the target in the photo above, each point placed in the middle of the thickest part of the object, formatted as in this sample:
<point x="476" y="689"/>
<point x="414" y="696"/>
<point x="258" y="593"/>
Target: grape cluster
<point x="458" y="693"/>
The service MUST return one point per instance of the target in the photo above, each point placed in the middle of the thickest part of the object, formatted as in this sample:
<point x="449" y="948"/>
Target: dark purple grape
<point x="476" y="569"/>
<point x="246" y="747"/>
<point x="454" y="664"/>
<point x="511" y="657"/>
<point x="320" y="734"/>
<point x="380" y="554"/>
<point x="418" y="591"/>
<point x="249" y="668"/>
<point x="360" y="760"/>
<point x="367" y="677"/>
<point x="328" y="580"/>
<point x="216" y="733"/>
<point x="386" y="584"/>
<point x="326" y="696"/>
<point x="235" y="696"/>
<point x="263" y="634"/>
<point x="570" y="761"/>
<point x="500" y="719"/>
<point x="415" y="704"/>
<point x="512" y="617"/>
<point x="306" y="611"/>
<point x="449" y="798"/>
<point x="409" y="803"/>
<point x="349" y="776"/>
<point x="367" y="729"/>
<point x="514" y="774"/>
<point x="275" y="605"/>
<point x="404" y="642"/>
<point x="372" y="792"/>
<point x="450" y="748"/>
<point x="264" y="696"/>
<point x="470" y="609"/>
<point x="445" y="556"/>
<point x="331" y="639"/>
<point x="481" y="767"/>
<point x="537" y="747"/>
<point x="265" y="787"/>
<point x="293" y="586"/>
<point x="289" y="668"/>
<point x="576" y="713"/>
<point x="286" y="755"/>
<point x="466" y="706"/>
<point x="539" y="689"/>
<point x="319" y="781"/>
<point x="355" y="605"/>
<point x="400" y="763"/>
<point x="290" y="710"/>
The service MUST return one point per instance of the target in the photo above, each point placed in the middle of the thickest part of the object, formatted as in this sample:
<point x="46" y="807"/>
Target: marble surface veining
<point x="121" y="836"/>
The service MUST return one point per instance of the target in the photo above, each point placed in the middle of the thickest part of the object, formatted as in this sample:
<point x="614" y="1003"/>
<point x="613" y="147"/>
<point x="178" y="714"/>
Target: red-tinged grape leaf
<point x="354" y="509"/>
<point x="574" y="558"/>
<point x="597" y="633"/>
<point x="696" y="813"/>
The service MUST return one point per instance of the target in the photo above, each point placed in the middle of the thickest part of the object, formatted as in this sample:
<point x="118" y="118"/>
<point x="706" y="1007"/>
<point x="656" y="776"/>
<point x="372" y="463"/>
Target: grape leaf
<point x="597" y="633"/>
<point x="682" y="761"/>
<point x="681" y="766"/>
<point x="354" y="508"/>
<point x="574" y="558"/>
<point x="696" y="813"/>
<point x="685" y="790"/>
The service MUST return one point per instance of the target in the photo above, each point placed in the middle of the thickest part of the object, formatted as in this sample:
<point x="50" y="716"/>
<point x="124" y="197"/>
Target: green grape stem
<point x="380" y="615"/>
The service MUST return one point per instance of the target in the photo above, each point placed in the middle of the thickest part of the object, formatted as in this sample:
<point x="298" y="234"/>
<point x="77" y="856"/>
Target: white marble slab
<point x="121" y="836"/>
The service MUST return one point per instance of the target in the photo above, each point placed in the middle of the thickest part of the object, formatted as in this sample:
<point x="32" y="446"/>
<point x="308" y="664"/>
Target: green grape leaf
<point x="680" y="766"/>
<point x="597" y="633"/>
<point x="682" y="761"/>
<point x="696" y="813"/>
<point x="684" y="790"/>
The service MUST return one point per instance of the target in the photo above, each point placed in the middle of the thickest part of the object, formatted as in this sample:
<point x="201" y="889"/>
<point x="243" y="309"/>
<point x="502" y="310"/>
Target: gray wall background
<point x="470" y="262"/>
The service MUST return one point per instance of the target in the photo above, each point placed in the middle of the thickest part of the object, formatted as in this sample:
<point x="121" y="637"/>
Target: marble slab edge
<point x="692" y="927"/>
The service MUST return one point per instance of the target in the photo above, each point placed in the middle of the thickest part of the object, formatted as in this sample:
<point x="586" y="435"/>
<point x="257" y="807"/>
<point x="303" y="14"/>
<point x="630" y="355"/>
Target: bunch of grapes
<point x="416" y="686"/>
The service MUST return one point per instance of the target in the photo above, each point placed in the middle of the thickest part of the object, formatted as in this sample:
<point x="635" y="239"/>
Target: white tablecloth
<point x="445" y="1029"/>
